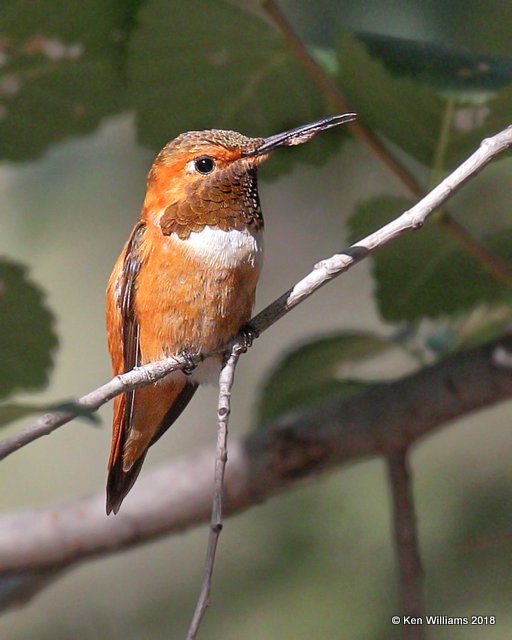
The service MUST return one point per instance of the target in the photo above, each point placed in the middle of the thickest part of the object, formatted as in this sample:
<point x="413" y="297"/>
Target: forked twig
<point x="226" y="379"/>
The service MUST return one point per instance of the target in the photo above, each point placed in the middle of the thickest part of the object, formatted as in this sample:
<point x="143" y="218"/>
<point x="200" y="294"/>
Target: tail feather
<point x="127" y="455"/>
<point x="120" y="482"/>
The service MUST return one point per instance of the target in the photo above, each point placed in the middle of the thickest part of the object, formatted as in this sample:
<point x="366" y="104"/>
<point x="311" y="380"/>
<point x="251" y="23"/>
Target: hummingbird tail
<point x="136" y="435"/>
<point x="120" y="482"/>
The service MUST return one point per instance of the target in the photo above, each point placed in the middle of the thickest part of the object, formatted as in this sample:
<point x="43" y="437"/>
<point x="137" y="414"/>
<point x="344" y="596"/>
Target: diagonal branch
<point x="380" y="420"/>
<point x="92" y="401"/>
<point x="322" y="273"/>
<point x="492" y="263"/>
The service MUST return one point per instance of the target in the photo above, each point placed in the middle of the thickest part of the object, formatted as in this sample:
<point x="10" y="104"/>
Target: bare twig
<point x="226" y="380"/>
<point x="492" y="263"/>
<point x="406" y="542"/>
<point x="322" y="273"/>
<point x="91" y="402"/>
<point x="375" y="422"/>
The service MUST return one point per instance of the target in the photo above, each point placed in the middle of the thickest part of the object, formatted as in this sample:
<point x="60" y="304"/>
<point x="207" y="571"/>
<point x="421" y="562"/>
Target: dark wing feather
<point x="130" y="326"/>
<point x="131" y="358"/>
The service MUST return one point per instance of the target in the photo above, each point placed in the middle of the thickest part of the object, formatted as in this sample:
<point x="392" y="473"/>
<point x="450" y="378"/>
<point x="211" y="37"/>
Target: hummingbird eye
<point x="204" y="165"/>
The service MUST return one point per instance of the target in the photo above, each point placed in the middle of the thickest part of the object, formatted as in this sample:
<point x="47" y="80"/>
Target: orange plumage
<point x="186" y="279"/>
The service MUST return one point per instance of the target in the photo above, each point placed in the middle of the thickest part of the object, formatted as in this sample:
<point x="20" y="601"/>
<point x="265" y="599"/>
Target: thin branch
<point x="138" y="377"/>
<point x="406" y="543"/>
<point x="492" y="263"/>
<point x="410" y="220"/>
<point x="322" y="273"/>
<point x="299" y="446"/>
<point x="226" y="379"/>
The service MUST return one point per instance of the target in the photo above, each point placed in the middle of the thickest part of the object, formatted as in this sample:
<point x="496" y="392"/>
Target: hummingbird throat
<point x="227" y="200"/>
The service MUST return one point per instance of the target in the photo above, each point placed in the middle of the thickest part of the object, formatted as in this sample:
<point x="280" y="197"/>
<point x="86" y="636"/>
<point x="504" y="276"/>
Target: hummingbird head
<point x="208" y="178"/>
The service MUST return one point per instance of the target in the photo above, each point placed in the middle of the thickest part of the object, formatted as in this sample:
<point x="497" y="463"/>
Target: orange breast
<point x="194" y="294"/>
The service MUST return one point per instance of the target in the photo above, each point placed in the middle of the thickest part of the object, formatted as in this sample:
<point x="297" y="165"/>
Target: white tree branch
<point x="322" y="273"/>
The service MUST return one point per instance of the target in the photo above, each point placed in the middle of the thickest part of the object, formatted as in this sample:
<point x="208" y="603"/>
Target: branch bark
<point x="322" y="273"/>
<point x="406" y="542"/>
<point x="381" y="420"/>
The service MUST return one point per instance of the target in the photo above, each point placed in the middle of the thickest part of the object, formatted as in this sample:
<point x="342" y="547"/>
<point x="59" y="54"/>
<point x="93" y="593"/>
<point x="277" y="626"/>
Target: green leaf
<point x="10" y="412"/>
<point x="426" y="274"/>
<point x="440" y="65"/>
<point x="407" y="113"/>
<point x="27" y="337"/>
<point x="310" y="374"/>
<point x="411" y="114"/>
<point x="477" y="26"/>
<point x="485" y="28"/>
<point x="203" y="65"/>
<point x="488" y="325"/>
<point x="61" y="74"/>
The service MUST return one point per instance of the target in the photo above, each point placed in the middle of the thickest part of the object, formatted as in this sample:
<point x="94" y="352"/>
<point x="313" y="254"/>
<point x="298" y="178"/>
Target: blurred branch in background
<point x="380" y="421"/>
<point x="406" y="540"/>
<point x="330" y="89"/>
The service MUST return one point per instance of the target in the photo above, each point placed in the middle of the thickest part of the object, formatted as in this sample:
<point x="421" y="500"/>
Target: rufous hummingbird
<point x="185" y="281"/>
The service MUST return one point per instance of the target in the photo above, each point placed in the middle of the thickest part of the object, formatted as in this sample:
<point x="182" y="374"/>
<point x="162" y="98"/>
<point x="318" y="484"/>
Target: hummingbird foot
<point x="248" y="333"/>
<point x="190" y="363"/>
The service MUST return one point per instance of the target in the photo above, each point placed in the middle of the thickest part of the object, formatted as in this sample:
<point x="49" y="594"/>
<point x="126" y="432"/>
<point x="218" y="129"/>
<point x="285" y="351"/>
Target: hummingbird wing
<point x="124" y="331"/>
<point x="140" y="416"/>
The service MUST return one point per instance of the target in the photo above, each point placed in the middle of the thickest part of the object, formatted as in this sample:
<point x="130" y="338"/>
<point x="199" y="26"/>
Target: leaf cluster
<point x="201" y="64"/>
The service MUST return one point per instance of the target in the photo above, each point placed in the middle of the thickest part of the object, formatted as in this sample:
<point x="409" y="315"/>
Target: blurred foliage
<point x="310" y="374"/>
<point x="60" y="74"/>
<point x="184" y="75"/>
<point x="64" y="69"/>
<point x="419" y="275"/>
<point x="408" y="113"/>
<point x="444" y="67"/>
<point x="476" y="26"/>
<point x="411" y="114"/>
<point x="27" y="336"/>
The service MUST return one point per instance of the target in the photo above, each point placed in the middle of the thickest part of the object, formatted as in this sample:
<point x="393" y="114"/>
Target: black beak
<point x="300" y="134"/>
